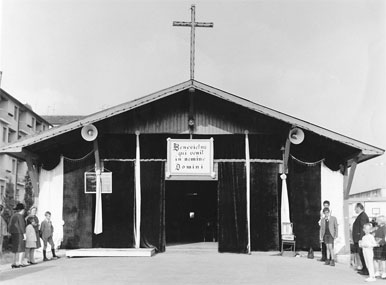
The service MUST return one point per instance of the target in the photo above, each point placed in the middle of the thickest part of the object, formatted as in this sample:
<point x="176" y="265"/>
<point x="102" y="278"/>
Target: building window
<point x="13" y="166"/>
<point x="2" y="192"/>
<point x="33" y="124"/>
<point x="16" y="113"/>
<point x="11" y="135"/>
<point x="44" y="127"/>
<point x="5" y="132"/>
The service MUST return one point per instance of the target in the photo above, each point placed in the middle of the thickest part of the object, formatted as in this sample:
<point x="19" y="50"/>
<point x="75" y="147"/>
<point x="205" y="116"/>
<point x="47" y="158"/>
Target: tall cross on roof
<point x="192" y="24"/>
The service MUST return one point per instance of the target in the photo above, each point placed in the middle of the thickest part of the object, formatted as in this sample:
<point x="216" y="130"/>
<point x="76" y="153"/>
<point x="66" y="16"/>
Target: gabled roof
<point x="367" y="151"/>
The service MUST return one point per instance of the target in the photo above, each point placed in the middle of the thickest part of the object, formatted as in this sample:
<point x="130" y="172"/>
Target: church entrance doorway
<point x="191" y="212"/>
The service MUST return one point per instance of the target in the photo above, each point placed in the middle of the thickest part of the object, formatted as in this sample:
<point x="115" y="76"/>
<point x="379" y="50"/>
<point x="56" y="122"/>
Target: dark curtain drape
<point x="77" y="206"/>
<point x="117" y="208"/>
<point x="304" y="193"/>
<point x="264" y="206"/>
<point x="232" y="236"/>
<point x="153" y="205"/>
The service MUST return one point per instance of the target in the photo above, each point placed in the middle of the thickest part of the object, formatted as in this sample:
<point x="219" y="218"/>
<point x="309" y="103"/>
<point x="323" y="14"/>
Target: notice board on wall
<point x="190" y="159"/>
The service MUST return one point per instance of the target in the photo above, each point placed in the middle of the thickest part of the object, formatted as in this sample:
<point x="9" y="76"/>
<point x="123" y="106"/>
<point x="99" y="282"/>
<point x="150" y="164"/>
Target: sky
<point x="320" y="61"/>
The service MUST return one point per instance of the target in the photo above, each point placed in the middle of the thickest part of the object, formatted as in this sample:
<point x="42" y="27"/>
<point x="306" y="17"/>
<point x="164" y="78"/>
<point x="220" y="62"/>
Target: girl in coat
<point x="32" y="213"/>
<point x="31" y="240"/>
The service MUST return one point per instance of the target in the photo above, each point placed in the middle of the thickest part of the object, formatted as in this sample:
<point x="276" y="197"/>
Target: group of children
<point x="45" y="233"/>
<point x="25" y="239"/>
<point x="373" y="246"/>
<point x="371" y="242"/>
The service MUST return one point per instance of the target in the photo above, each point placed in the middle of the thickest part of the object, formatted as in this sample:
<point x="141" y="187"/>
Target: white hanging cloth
<point x="98" y="223"/>
<point x="137" y="221"/>
<point x="248" y="182"/>
<point x="285" y="212"/>
<point x="51" y="199"/>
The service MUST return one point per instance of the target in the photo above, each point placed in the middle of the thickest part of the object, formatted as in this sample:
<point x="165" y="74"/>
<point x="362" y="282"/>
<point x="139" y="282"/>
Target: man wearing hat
<point x="16" y="228"/>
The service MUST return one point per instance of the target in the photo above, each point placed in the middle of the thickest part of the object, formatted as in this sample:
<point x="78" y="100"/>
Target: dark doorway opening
<point x="191" y="211"/>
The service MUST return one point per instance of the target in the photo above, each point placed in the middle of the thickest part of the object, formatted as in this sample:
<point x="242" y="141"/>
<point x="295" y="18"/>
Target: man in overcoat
<point x="358" y="233"/>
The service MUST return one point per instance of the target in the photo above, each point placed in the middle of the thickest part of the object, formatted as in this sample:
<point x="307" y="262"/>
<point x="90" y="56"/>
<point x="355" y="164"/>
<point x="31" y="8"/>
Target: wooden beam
<point x="286" y="155"/>
<point x="191" y="118"/>
<point x="33" y="173"/>
<point x="96" y="155"/>
<point x="348" y="177"/>
<point x="346" y="217"/>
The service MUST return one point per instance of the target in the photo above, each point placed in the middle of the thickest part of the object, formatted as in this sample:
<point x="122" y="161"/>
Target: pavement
<point x="184" y="264"/>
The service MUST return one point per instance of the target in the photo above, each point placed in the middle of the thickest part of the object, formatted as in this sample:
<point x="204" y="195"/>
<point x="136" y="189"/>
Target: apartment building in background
<point x="17" y="120"/>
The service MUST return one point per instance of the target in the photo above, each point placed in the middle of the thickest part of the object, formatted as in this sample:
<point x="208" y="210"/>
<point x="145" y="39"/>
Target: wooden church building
<point x="190" y="163"/>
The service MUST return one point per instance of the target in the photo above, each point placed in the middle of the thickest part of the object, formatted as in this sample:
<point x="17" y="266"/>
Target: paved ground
<point x="184" y="265"/>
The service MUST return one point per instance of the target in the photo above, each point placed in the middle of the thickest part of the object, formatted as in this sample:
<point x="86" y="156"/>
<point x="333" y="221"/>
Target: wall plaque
<point x="190" y="159"/>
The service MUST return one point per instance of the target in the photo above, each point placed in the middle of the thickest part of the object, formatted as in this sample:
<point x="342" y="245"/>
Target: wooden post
<point x="96" y="155"/>
<point x="248" y="176"/>
<point x="191" y="122"/>
<point x="350" y="178"/>
<point x="286" y="155"/>
<point x="137" y="193"/>
<point x="98" y="223"/>
<point x="33" y="173"/>
<point x="347" y="182"/>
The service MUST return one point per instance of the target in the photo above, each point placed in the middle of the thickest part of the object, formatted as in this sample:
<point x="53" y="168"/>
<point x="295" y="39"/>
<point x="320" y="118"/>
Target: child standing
<point x="31" y="240"/>
<point x="379" y="252"/>
<point x="46" y="230"/>
<point x="329" y="232"/>
<point x="367" y="244"/>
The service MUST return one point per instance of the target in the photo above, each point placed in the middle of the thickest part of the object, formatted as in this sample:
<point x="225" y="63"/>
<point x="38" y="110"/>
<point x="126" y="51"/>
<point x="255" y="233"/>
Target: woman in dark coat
<point x="16" y="228"/>
<point x="32" y="213"/>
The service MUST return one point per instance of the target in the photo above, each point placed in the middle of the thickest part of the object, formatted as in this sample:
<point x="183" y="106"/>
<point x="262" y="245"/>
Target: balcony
<point x="20" y="179"/>
<point x="4" y="175"/>
<point x="4" y="117"/>
<point x="41" y="127"/>
<point x="25" y="128"/>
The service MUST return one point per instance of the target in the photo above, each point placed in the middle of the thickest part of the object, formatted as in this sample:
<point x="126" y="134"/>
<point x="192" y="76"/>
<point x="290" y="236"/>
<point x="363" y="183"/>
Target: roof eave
<point x="367" y="151"/>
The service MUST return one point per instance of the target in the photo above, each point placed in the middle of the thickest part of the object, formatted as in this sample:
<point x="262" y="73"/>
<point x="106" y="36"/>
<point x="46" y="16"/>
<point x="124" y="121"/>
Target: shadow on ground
<point x="8" y="275"/>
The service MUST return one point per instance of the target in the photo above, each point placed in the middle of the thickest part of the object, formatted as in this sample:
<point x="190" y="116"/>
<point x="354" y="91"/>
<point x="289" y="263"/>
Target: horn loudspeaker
<point x="296" y="136"/>
<point x="89" y="132"/>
